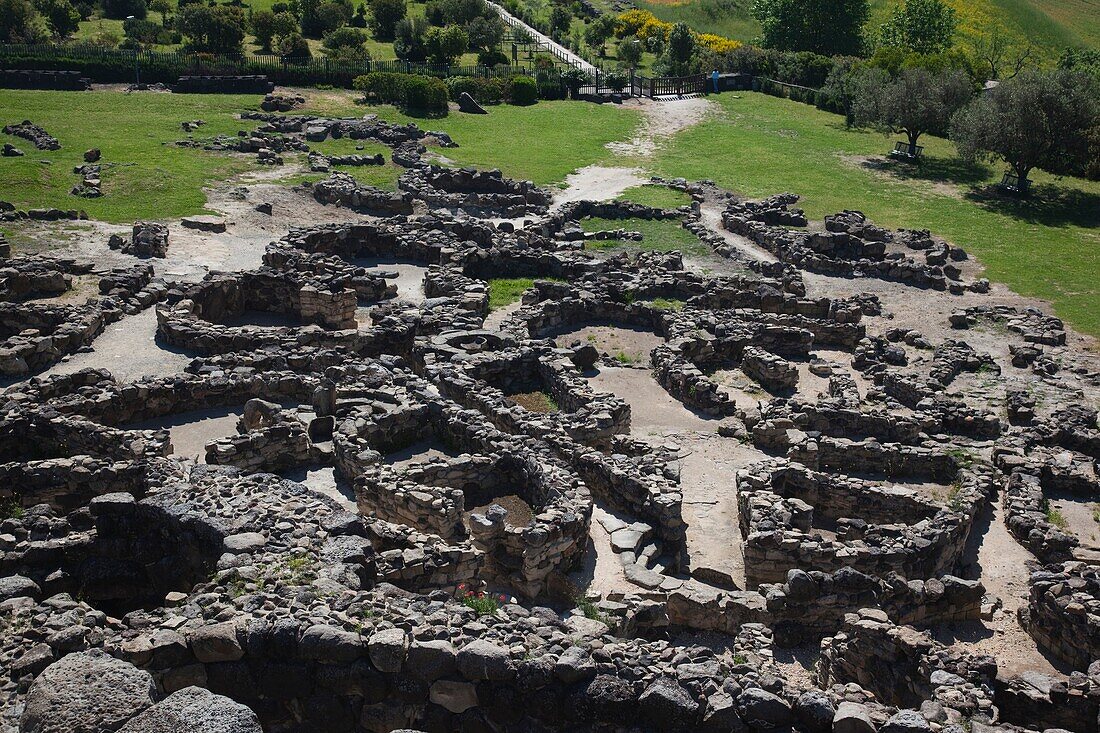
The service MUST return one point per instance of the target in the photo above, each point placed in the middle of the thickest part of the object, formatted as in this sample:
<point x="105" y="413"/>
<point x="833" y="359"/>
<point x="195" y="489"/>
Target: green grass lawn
<point x="1048" y="247"/>
<point x="503" y="291"/>
<point x="659" y="197"/>
<point x="382" y="176"/>
<point x="543" y="143"/>
<point x="143" y="174"/>
<point x="663" y="235"/>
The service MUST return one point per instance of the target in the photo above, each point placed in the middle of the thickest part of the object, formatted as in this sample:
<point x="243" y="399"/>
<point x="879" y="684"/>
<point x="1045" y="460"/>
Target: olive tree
<point x="915" y="102"/>
<point x="1034" y="120"/>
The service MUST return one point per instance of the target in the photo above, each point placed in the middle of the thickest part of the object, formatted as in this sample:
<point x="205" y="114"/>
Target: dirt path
<point x="1001" y="563"/>
<point x="128" y="349"/>
<point x="708" y="483"/>
<point x="660" y="121"/>
<point x="711" y="213"/>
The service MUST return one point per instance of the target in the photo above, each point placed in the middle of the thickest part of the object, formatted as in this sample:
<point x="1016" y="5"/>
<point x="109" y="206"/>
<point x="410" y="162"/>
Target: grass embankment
<point x="1047" y="247"/>
<point x="144" y="175"/>
<point x="1050" y="25"/>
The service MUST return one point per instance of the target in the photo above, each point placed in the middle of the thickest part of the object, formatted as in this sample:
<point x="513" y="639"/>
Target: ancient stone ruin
<point x="649" y="495"/>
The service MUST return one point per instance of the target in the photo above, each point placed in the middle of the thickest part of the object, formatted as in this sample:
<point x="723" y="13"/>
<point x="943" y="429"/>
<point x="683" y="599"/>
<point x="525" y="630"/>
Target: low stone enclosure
<point x="40" y="324"/>
<point x="408" y="512"/>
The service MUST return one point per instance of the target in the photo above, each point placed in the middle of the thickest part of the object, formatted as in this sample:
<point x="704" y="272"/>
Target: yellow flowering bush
<point x="717" y="44"/>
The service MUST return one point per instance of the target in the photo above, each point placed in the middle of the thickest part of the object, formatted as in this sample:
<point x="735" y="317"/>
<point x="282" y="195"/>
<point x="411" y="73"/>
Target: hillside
<point x="1050" y="24"/>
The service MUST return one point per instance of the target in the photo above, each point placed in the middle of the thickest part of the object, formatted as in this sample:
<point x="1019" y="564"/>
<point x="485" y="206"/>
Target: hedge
<point x="412" y="92"/>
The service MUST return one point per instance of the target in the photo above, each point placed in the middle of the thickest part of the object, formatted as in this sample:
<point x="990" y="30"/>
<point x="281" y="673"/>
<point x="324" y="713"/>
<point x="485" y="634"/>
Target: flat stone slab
<point x="204" y="223"/>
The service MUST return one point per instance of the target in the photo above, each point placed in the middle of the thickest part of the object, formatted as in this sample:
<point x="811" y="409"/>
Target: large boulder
<point x="87" y="692"/>
<point x="668" y="705"/>
<point x="468" y="104"/>
<point x="195" y="709"/>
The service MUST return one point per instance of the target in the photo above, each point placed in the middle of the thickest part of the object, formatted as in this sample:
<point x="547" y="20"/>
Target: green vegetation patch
<point x="658" y="235"/>
<point x="542" y="143"/>
<point x="381" y="176"/>
<point x="660" y="197"/>
<point x="507" y="290"/>
<point x="144" y="174"/>
<point x="1046" y="247"/>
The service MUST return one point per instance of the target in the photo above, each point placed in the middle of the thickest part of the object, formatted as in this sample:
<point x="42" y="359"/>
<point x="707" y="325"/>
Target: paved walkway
<point x="554" y="47"/>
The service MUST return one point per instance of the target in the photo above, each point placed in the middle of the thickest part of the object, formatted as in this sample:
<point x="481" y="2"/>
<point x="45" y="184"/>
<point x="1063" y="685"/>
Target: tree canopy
<point x="924" y="26"/>
<point x="915" y="102"/>
<point x="217" y="29"/>
<point x="829" y="27"/>
<point x="1034" y="120"/>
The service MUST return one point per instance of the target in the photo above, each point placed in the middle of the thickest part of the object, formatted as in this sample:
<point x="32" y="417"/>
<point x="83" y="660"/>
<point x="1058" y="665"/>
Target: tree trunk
<point x="913" y="137"/>
<point x="1022" y="170"/>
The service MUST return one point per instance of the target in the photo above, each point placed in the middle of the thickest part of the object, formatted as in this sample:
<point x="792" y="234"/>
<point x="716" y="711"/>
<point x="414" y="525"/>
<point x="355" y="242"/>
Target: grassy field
<point x="1048" y="247"/>
<point x="143" y="175"/>
<point x="657" y="236"/>
<point x="1050" y="25"/>
<point x="543" y="143"/>
<point x="660" y="197"/>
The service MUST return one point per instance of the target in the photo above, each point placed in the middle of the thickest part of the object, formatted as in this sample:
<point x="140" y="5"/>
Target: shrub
<point x="617" y="80"/>
<point x="292" y="46"/>
<point x="485" y="91"/>
<point x="492" y="57"/>
<point x="346" y="37"/>
<point x="574" y="78"/>
<point x="426" y="94"/>
<point x="382" y="86"/>
<point x="524" y="90"/>
<point x="420" y="93"/>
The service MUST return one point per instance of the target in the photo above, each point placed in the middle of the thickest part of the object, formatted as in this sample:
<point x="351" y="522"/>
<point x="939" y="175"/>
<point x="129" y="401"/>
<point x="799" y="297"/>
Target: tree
<point x="21" y="23"/>
<point x="913" y="103"/>
<point x="218" y="29"/>
<point x="827" y="27"/>
<point x="292" y="46"/>
<point x="164" y="7"/>
<point x="681" y="44"/>
<point x="408" y="40"/>
<point x="598" y="31"/>
<point x="266" y="26"/>
<point x="1034" y="120"/>
<point x="629" y="52"/>
<point x="384" y="17"/>
<point x="122" y="9"/>
<point x="444" y="45"/>
<point x="344" y="38"/>
<point x="60" y="15"/>
<point x="1000" y="53"/>
<point x="924" y="26"/>
<point x="560" y="20"/>
<point x="319" y="17"/>
<point x="485" y="32"/>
